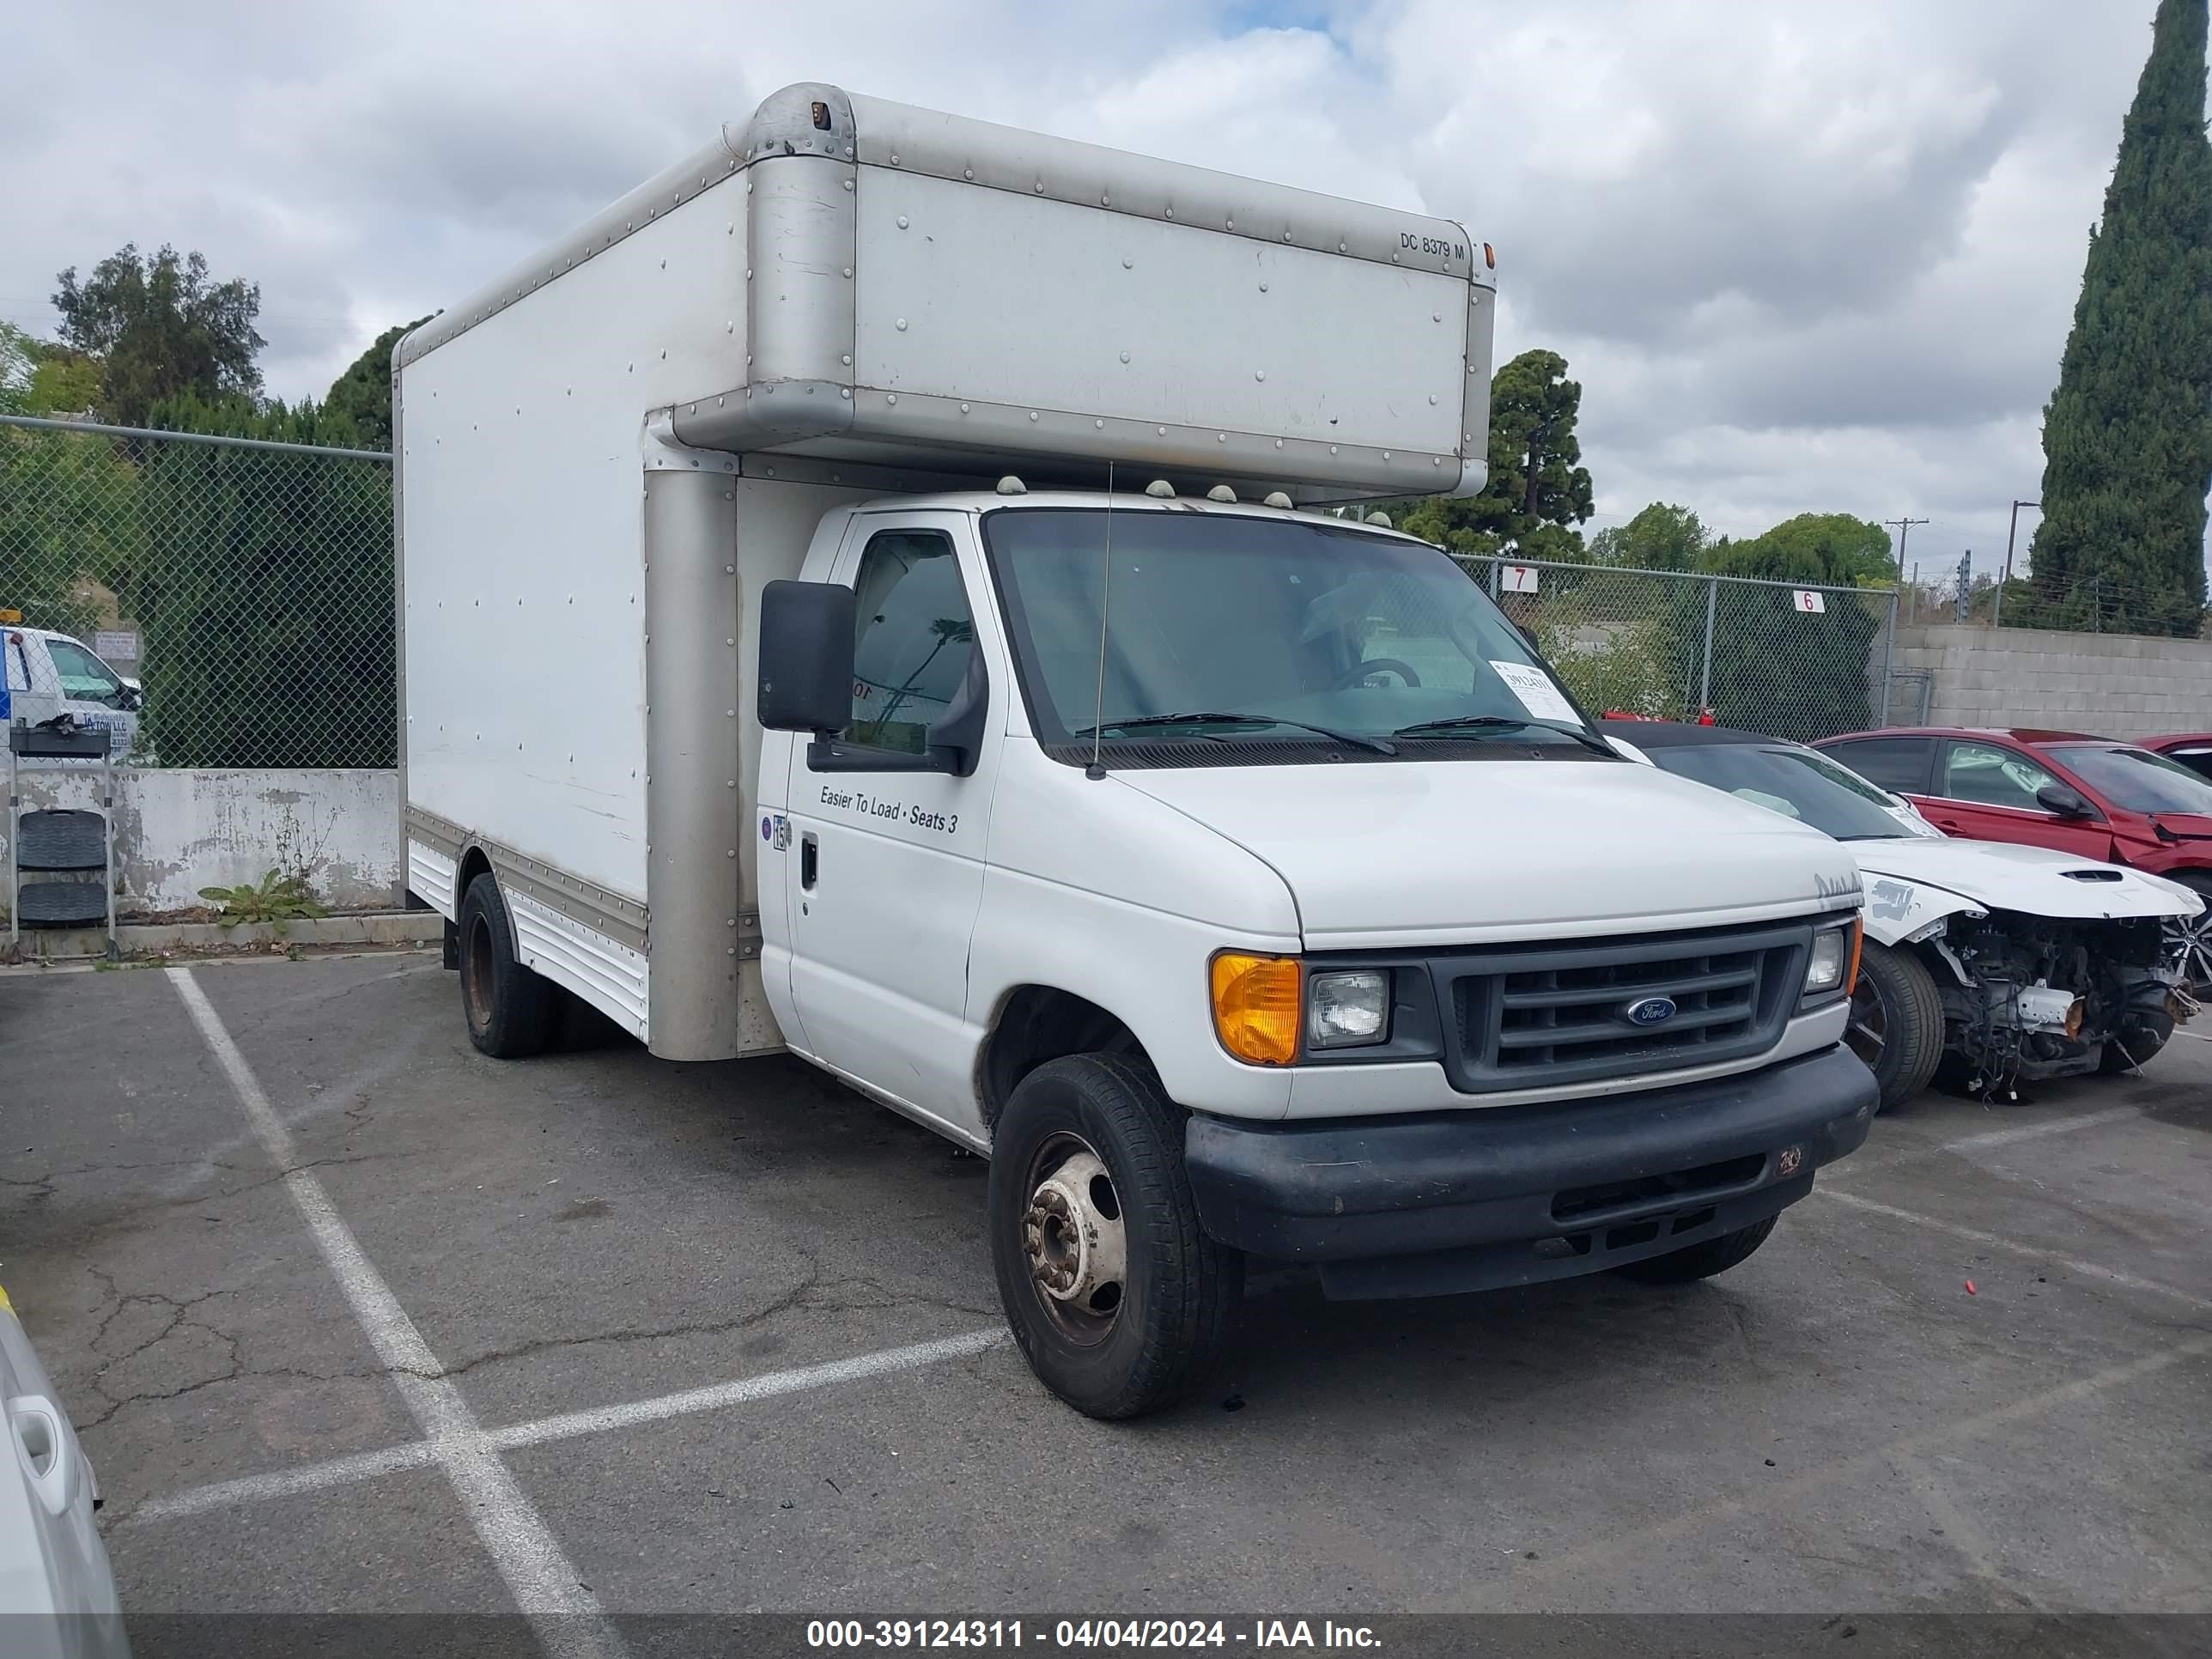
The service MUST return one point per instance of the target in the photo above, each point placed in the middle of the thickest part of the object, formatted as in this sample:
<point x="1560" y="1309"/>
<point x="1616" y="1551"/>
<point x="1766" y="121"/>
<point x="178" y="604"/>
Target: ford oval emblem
<point x="1651" y="1011"/>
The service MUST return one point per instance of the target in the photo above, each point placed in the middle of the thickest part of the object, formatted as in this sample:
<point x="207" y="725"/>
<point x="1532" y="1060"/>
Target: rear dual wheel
<point x="511" y="1013"/>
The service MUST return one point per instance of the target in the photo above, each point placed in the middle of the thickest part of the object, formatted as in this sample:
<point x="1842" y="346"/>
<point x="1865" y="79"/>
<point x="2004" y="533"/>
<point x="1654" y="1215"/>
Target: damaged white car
<point x="1987" y="964"/>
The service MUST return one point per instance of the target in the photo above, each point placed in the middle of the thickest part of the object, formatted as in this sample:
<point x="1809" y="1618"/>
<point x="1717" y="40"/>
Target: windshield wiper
<point x="1502" y="723"/>
<point x="1360" y="739"/>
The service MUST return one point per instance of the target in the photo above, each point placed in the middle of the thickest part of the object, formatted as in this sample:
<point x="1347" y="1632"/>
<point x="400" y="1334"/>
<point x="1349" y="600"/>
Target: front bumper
<point x="1484" y="1197"/>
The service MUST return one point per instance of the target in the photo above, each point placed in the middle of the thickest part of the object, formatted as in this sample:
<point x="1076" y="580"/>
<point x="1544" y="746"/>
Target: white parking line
<point x="2014" y="1247"/>
<point x="283" y="1483"/>
<point x="542" y="1580"/>
<point x="367" y="1466"/>
<point x="569" y="1424"/>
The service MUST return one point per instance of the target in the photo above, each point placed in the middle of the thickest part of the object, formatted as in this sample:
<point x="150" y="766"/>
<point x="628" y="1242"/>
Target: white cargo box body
<point x="605" y="456"/>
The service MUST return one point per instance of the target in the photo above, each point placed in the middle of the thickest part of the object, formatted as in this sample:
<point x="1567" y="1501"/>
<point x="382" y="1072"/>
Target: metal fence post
<point x="1705" y="679"/>
<point x="1888" y="661"/>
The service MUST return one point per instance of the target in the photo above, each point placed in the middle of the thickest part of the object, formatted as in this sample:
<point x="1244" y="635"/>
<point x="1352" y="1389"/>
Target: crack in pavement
<point x="811" y="1294"/>
<point x="180" y="1319"/>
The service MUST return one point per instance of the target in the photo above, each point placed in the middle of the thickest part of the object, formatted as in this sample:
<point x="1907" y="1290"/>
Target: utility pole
<point x="1903" y="525"/>
<point x="1996" y="613"/>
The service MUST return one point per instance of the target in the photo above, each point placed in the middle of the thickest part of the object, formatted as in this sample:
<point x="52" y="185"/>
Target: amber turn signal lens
<point x="1255" y="1007"/>
<point x="1858" y="942"/>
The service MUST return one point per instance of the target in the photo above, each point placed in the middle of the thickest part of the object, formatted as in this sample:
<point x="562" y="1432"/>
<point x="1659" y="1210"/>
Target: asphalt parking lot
<point x="599" y="1332"/>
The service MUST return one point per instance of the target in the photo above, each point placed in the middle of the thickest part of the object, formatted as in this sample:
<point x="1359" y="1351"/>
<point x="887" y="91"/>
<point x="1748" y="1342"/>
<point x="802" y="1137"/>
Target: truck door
<point x="94" y="692"/>
<point x="885" y="873"/>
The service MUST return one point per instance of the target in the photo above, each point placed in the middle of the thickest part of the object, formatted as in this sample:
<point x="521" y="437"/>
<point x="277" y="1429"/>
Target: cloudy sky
<point x="1800" y="256"/>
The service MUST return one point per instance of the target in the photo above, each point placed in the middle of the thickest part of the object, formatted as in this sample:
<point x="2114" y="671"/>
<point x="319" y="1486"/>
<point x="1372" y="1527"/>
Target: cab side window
<point x="1897" y="764"/>
<point x="913" y="634"/>
<point x="84" y="678"/>
<point x="1990" y="776"/>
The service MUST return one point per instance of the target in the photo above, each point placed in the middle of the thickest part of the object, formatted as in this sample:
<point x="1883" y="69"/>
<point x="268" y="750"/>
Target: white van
<point x="48" y="674"/>
<point x="780" y="671"/>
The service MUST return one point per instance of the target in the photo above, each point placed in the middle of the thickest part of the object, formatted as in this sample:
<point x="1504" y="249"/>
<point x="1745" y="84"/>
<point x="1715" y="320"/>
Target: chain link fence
<point x="1794" y="661"/>
<point x="227" y="602"/>
<point x="214" y="602"/>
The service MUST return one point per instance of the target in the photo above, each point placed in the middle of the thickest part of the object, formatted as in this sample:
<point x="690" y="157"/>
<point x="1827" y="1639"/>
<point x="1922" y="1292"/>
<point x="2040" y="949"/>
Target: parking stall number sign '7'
<point x="1805" y="599"/>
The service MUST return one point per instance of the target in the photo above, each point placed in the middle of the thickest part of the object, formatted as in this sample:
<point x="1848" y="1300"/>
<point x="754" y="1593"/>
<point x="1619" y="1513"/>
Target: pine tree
<point x="2127" y="437"/>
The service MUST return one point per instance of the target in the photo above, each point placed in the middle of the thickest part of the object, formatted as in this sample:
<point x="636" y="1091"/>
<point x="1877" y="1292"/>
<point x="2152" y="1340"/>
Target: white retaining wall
<point x="178" y="829"/>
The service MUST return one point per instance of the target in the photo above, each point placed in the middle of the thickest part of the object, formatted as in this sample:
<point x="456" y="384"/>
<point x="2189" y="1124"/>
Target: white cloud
<point x="1800" y="258"/>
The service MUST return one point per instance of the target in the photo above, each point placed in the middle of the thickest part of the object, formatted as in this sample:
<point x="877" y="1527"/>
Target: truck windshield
<point x="1794" y="782"/>
<point x="1242" y="629"/>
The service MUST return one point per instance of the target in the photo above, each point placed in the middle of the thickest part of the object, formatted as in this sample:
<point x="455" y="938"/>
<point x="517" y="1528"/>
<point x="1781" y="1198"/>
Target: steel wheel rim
<point x="477" y="970"/>
<point x="1866" y="1032"/>
<point x="1074" y="1240"/>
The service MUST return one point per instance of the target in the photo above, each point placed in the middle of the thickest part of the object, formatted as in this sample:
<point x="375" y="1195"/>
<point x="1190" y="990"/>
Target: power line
<point x="1903" y="526"/>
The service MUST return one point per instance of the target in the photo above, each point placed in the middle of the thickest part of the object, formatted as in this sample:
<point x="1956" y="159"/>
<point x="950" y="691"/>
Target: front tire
<point x="1715" y="1256"/>
<point x="511" y="1013"/>
<point x="2139" y="1046"/>
<point x="1896" y="1022"/>
<point x="1120" y="1302"/>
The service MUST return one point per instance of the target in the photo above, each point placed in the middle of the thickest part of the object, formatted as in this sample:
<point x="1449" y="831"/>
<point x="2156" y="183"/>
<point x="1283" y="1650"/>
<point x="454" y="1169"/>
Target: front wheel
<point x="2134" y="1047"/>
<point x="2189" y="939"/>
<point x="1896" y="1022"/>
<point x="1121" y="1305"/>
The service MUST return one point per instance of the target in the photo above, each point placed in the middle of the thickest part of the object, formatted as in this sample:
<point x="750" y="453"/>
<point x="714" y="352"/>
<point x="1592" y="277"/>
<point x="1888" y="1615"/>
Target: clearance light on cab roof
<point x="1256" y="1006"/>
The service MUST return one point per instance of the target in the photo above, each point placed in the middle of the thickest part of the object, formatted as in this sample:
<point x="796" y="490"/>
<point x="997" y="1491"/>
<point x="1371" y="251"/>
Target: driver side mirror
<point x="806" y="679"/>
<point x="806" y="657"/>
<point x="2066" y="802"/>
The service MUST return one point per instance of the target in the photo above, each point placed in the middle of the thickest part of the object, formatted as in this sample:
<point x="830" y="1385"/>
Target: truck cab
<point x="49" y="674"/>
<point x="1004" y="699"/>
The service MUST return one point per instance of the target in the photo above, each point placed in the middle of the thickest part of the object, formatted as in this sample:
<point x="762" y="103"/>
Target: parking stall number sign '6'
<point x="1805" y="599"/>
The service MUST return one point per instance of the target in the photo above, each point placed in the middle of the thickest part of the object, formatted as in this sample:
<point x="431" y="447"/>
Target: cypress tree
<point x="2127" y="437"/>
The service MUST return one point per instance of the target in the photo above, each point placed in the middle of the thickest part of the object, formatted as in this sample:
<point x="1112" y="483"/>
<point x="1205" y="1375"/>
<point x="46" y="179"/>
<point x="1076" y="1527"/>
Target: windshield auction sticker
<point x="1538" y="695"/>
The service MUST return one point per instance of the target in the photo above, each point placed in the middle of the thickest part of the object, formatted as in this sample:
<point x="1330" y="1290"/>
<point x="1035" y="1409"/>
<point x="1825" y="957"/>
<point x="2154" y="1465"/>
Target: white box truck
<point x="780" y="671"/>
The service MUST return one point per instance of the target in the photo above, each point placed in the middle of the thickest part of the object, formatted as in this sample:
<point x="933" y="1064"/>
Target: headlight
<point x="1835" y="960"/>
<point x="1346" y="1009"/>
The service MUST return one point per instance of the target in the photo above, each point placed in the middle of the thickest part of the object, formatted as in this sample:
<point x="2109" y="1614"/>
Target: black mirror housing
<point x="806" y="657"/>
<point x="2065" y="801"/>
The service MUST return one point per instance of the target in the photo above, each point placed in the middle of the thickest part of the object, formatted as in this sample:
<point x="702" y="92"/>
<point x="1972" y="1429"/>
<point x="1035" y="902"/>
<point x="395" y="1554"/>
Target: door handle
<point x="45" y="1447"/>
<point x="809" y="861"/>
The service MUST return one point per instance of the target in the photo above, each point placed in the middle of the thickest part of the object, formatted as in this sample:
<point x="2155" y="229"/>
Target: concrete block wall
<point x="2116" y="685"/>
<point x="178" y="829"/>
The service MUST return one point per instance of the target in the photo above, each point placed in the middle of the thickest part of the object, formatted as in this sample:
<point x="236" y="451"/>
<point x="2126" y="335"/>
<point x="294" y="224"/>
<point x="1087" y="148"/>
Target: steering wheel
<point x="1378" y="664"/>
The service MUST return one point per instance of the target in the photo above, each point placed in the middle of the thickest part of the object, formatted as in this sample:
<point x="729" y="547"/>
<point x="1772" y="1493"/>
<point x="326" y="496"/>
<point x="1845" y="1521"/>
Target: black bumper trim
<point x="1464" y="1200"/>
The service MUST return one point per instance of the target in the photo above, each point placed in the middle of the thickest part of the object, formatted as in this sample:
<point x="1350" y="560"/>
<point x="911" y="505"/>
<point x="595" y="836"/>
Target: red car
<point x="2192" y="749"/>
<point x="2085" y="795"/>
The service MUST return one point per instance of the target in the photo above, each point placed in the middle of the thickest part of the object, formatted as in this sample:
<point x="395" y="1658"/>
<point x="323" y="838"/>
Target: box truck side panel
<point x="712" y="539"/>
<point x="1258" y="339"/>
<point x="521" y="541"/>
